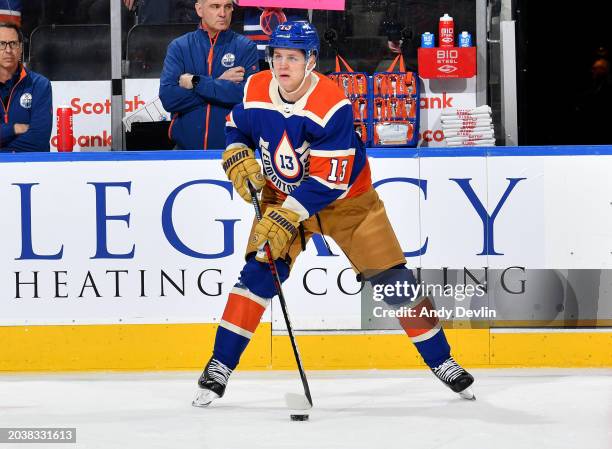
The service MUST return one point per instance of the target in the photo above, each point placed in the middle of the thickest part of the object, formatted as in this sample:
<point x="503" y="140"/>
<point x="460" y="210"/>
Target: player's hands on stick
<point x="240" y="166"/>
<point x="277" y="226"/>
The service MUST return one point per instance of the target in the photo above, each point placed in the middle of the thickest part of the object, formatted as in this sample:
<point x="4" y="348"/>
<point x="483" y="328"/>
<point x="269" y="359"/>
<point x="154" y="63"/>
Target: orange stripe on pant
<point x="242" y="312"/>
<point x="416" y="325"/>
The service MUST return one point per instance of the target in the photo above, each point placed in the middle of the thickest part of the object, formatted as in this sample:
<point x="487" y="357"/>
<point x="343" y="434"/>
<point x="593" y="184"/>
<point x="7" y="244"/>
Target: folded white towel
<point x="459" y="127"/>
<point x="484" y="109"/>
<point x="483" y="120"/>
<point x="467" y="132"/>
<point x="472" y="136"/>
<point x="446" y="118"/>
<point x="470" y="143"/>
<point x="482" y="143"/>
<point x="464" y="126"/>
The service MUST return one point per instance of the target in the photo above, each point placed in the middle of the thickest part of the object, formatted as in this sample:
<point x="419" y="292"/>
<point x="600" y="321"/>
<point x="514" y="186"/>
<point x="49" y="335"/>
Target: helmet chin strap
<point x="307" y="73"/>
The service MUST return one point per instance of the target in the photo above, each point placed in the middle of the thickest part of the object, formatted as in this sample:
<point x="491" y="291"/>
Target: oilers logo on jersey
<point x="285" y="166"/>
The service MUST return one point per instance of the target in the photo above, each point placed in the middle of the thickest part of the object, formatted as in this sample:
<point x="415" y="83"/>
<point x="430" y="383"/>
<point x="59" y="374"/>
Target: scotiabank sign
<point x="431" y="135"/>
<point x="440" y="101"/>
<point x="101" y="141"/>
<point x="102" y="107"/>
<point x="91" y="107"/>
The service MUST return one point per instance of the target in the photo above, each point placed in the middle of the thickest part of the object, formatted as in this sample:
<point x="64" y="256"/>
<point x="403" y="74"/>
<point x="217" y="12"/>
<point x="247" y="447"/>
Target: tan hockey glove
<point x="240" y="166"/>
<point x="278" y="226"/>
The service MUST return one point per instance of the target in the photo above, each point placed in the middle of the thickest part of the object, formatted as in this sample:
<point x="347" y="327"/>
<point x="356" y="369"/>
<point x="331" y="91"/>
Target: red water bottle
<point x="447" y="31"/>
<point x="65" y="134"/>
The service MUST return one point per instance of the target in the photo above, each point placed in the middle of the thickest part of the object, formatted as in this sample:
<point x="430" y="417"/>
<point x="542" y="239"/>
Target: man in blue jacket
<point x="26" y="113"/>
<point x="203" y="77"/>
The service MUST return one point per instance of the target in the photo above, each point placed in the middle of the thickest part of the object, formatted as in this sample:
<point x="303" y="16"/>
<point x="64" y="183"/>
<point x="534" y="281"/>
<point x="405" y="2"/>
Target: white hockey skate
<point x="212" y="383"/>
<point x="204" y="398"/>
<point x="455" y="378"/>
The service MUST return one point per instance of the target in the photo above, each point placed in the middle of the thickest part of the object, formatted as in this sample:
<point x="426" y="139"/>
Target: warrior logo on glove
<point x="235" y="158"/>
<point x="278" y="227"/>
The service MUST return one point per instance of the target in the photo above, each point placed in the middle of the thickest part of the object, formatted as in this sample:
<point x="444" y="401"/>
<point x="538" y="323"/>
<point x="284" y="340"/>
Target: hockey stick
<point x="293" y="401"/>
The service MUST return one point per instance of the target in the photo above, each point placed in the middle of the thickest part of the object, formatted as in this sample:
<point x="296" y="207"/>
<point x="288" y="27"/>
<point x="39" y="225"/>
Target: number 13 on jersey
<point x="338" y="170"/>
<point x="333" y="167"/>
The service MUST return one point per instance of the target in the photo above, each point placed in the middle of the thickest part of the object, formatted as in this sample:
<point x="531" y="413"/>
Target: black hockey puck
<point x="299" y="417"/>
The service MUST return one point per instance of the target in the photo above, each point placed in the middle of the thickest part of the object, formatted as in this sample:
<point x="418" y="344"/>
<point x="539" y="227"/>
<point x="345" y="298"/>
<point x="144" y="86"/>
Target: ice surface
<point x="516" y="408"/>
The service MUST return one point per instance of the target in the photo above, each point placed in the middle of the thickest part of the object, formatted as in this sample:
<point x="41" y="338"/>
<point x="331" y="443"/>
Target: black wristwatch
<point x="195" y="79"/>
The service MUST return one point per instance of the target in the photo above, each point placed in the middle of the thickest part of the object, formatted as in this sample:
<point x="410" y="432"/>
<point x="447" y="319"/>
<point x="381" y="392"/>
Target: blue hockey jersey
<point x="310" y="152"/>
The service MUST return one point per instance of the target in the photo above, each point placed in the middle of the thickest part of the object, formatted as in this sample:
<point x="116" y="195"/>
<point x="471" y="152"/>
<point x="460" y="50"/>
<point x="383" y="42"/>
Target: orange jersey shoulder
<point x="258" y="87"/>
<point x="325" y="97"/>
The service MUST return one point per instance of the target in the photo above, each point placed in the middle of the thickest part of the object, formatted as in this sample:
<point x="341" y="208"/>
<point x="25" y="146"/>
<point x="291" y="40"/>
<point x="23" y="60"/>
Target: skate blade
<point x="467" y="394"/>
<point x="204" y="398"/>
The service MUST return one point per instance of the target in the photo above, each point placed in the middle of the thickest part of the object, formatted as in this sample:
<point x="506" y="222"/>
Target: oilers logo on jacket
<point x="309" y="150"/>
<point x="27" y="99"/>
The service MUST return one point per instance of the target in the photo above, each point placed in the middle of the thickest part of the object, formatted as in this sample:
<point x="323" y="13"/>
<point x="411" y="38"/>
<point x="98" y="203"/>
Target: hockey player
<point x="316" y="179"/>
